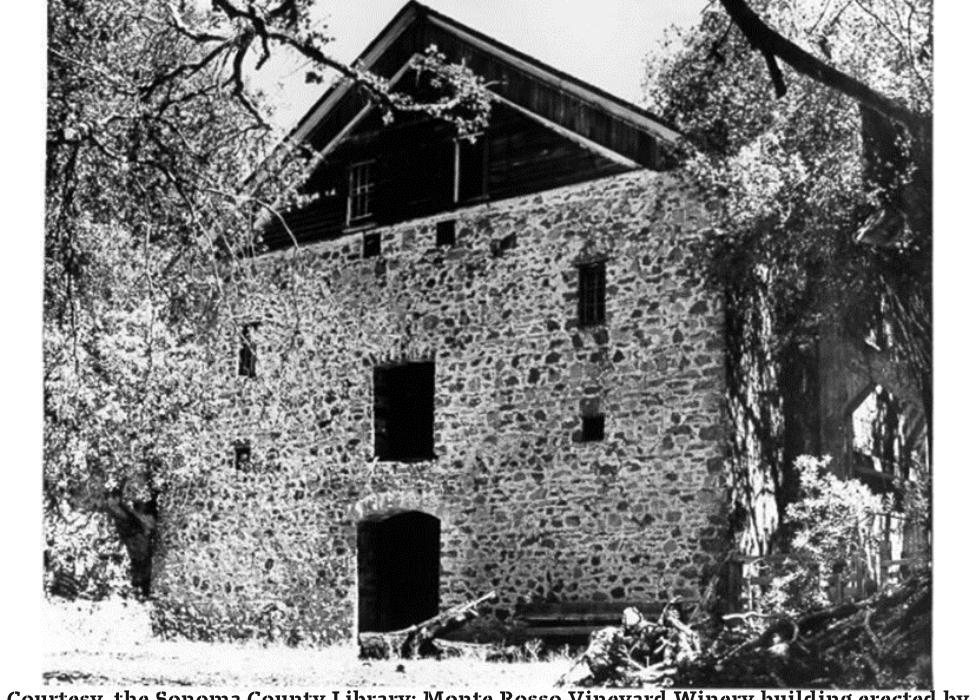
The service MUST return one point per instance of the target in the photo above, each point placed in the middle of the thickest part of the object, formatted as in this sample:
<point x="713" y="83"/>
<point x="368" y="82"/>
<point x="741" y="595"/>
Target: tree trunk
<point x="136" y="526"/>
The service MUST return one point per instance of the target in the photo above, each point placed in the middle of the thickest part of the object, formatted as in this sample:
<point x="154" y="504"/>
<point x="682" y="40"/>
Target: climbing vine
<point x="822" y="214"/>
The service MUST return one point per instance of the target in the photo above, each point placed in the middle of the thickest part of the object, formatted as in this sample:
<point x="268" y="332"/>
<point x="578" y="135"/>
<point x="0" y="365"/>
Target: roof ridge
<point x="424" y="11"/>
<point x="557" y="72"/>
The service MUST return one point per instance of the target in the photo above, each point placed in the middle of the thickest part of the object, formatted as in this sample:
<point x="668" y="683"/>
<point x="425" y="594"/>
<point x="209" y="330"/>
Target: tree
<point x="786" y="168"/>
<point x="154" y="125"/>
<point x="773" y="45"/>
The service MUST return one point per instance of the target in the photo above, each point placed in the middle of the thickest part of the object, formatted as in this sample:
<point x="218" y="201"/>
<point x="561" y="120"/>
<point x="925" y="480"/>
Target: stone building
<point x="462" y="368"/>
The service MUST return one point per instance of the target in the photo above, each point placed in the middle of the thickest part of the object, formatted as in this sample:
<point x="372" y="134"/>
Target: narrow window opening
<point x="372" y="244"/>
<point x="446" y="233"/>
<point x="242" y="456"/>
<point x="500" y="246"/>
<point x="361" y="190"/>
<point x="592" y="293"/>
<point x="247" y="355"/>
<point x="592" y="419"/>
<point x="593" y="428"/>
<point x="472" y="165"/>
<point x="403" y="412"/>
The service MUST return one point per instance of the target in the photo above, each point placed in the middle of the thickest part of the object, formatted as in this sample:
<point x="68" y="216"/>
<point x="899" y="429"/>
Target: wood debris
<point x="420" y="639"/>
<point x="638" y="652"/>
<point x="881" y="641"/>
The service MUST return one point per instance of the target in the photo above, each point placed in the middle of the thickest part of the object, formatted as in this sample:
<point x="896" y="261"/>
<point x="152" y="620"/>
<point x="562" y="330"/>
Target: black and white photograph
<point x="486" y="344"/>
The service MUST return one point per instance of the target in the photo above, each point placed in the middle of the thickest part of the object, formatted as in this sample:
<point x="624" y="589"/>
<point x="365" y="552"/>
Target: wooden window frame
<point x="247" y="354"/>
<point x="362" y="189"/>
<point x="592" y="306"/>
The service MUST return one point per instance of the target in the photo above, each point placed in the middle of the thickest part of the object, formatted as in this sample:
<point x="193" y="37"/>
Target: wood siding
<point x="414" y="160"/>
<point x="414" y="170"/>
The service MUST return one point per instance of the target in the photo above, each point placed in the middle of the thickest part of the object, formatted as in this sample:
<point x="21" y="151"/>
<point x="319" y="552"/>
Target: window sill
<point x="406" y="460"/>
<point x="359" y="226"/>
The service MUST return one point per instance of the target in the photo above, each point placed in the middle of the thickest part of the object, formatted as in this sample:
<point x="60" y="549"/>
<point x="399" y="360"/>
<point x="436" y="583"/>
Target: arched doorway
<point x="399" y="570"/>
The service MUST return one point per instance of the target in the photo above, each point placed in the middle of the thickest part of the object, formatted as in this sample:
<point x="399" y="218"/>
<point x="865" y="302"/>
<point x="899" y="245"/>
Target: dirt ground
<point x="111" y="644"/>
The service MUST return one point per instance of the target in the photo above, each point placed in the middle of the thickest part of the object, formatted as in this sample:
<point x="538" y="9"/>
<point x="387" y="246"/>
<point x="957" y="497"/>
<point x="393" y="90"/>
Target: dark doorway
<point x="399" y="570"/>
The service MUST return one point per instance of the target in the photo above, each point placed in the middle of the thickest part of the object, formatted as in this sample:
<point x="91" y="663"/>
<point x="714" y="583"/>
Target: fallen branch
<point x="418" y="640"/>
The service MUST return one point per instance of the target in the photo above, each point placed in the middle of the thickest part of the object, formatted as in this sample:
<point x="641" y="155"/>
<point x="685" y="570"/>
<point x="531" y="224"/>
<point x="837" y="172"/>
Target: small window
<point x="592" y="293"/>
<point x="361" y="186"/>
<point x="242" y="456"/>
<point x="593" y="427"/>
<point x="446" y="232"/>
<point x="403" y="411"/>
<point x="372" y="244"/>
<point x="500" y="246"/>
<point x="247" y="355"/>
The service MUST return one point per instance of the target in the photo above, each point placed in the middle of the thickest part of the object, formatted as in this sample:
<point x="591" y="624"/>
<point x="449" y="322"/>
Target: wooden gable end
<point x="546" y="130"/>
<point x="418" y="168"/>
<point x="515" y="78"/>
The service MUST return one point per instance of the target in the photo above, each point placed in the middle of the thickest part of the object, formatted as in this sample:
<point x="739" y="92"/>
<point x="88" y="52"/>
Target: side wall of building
<point x="525" y="508"/>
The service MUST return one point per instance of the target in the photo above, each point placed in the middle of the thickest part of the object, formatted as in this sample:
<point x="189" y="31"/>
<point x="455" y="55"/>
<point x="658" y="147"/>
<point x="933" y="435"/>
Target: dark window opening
<point x="500" y="245"/>
<point x="361" y="187"/>
<point x="398" y="562"/>
<point x="372" y="244"/>
<point x="247" y="356"/>
<point x="593" y="428"/>
<point x="446" y="232"/>
<point x="242" y="456"/>
<point x="403" y="411"/>
<point x="472" y="169"/>
<point x="592" y="293"/>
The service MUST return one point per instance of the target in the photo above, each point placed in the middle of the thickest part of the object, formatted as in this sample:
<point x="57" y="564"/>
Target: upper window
<point x="499" y="246"/>
<point x="361" y="186"/>
<point x="446" y="232"/>
<point x="403" y="411"/>
<point x="592" y="293"/>
<point x="472" y="167"/>
<point x="593" y="428"/>
<point x="372" y="244"/>
<point x="242" y="456"/>
<point x="247" y="355"/>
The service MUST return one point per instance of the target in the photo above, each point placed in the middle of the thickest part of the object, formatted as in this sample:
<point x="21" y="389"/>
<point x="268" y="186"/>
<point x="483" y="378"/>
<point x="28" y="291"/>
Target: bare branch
<point x="774" y="45"/>
<point x="200" y="37"/>
<point x="184" y="70"/>
<point x="240" y="91"/>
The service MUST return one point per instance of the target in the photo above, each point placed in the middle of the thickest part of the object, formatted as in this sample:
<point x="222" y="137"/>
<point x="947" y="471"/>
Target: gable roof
<point x="589" y="115"/>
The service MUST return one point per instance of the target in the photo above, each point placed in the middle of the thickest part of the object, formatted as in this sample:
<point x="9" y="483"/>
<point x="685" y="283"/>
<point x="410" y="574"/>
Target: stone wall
<point x="525" y="508"/>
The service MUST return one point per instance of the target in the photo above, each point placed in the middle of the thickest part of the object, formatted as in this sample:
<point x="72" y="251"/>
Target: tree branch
<point x="774" y="45"/>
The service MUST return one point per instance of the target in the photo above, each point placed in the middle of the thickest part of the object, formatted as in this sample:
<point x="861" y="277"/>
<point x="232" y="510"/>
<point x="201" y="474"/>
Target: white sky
<point x="603" y="43"/>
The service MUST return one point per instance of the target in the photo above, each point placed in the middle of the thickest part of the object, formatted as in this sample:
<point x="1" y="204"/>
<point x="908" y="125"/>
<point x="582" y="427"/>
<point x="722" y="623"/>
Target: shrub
<point x="832" y="531"/>
<point x="83" y="557"/>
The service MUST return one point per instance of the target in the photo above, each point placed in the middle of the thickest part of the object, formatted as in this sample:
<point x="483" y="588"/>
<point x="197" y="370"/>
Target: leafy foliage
<point x="833" y="529"/>
<point x="154" y="126"/>
<point x="789" y="171"/>
<point x="84" y="558"/>
<point x="788" y="175"/>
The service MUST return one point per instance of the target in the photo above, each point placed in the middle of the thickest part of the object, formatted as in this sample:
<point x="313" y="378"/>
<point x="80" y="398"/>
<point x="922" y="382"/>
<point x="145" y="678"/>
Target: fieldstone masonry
<point x="525" y="507"/>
